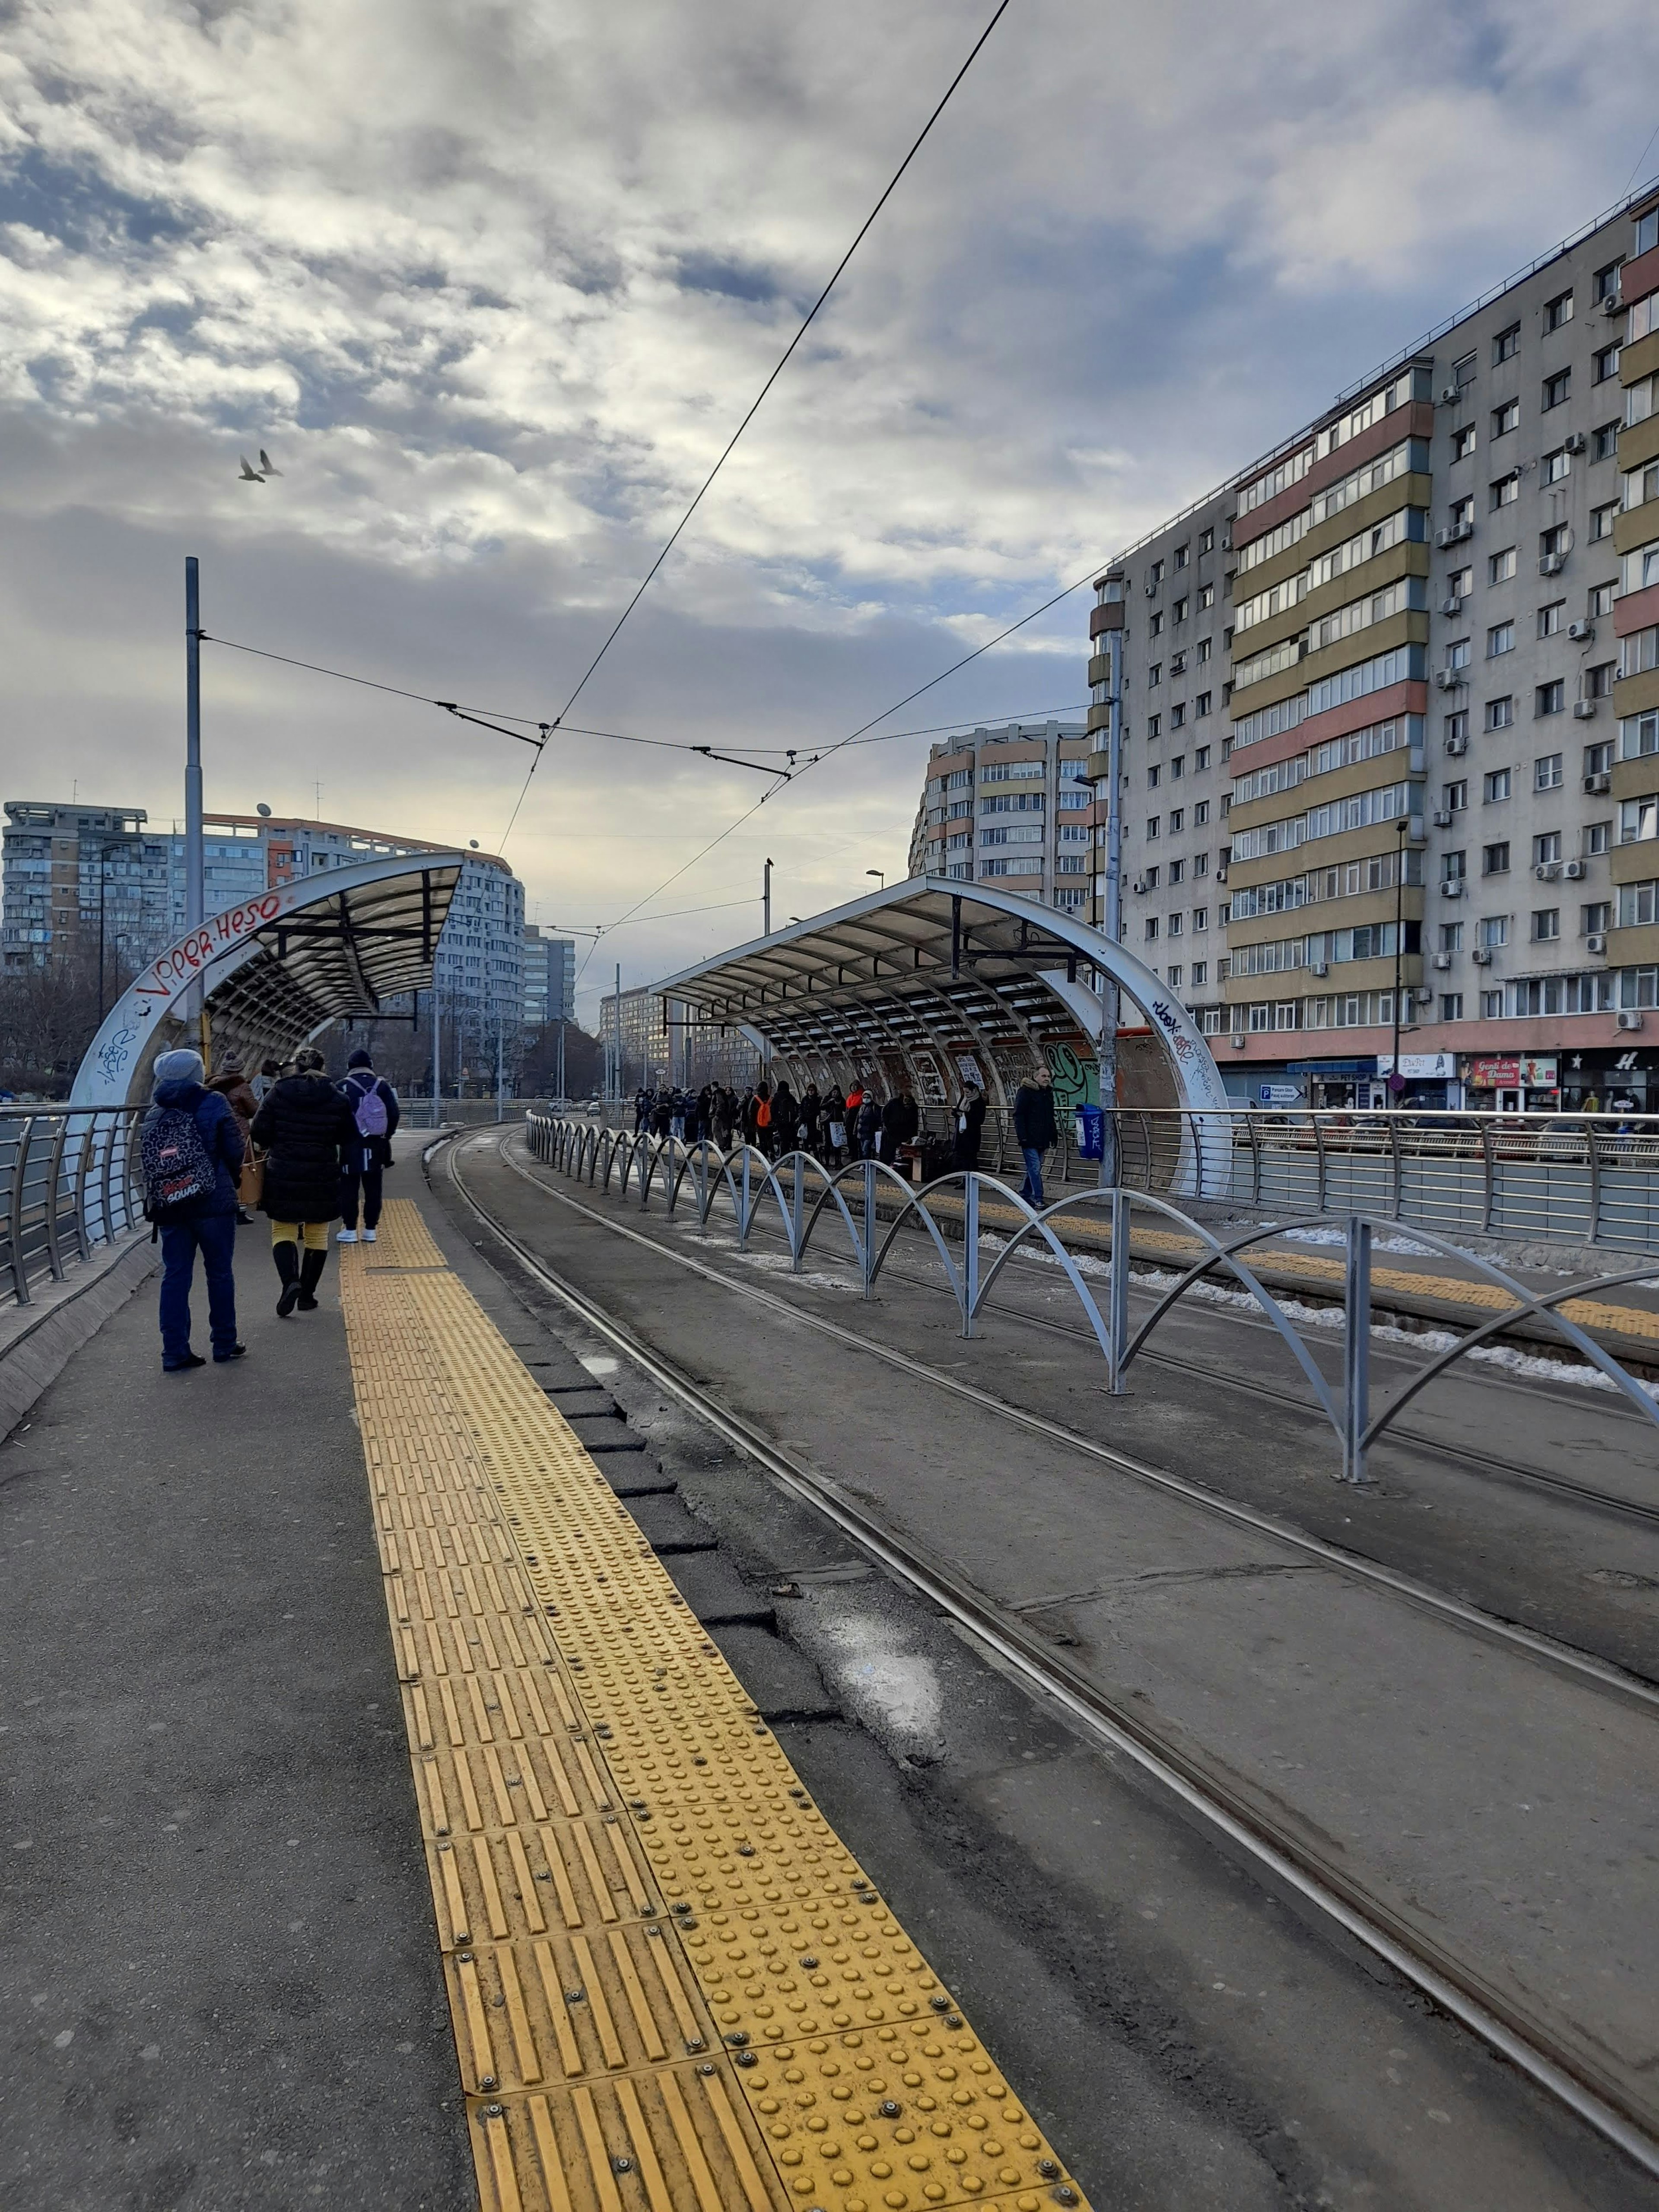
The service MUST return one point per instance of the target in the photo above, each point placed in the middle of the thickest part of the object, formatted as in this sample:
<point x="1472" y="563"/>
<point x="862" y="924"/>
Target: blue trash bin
<point x="1091" y="1133"/>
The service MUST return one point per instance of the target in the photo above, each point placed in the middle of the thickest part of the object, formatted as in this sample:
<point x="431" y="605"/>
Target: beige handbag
<point x="252" y="1186"/>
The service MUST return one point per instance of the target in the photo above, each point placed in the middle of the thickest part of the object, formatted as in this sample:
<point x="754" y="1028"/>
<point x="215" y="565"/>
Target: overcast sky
<point x="493" y="283"/>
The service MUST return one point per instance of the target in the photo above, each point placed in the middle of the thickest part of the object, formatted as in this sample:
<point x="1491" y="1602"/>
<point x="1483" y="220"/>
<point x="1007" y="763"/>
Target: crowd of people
<point x="304" y="1148"/>
<point x="838" y="1126"/>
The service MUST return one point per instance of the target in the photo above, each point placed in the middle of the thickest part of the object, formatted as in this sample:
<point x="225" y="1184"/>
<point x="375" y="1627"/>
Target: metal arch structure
<point x="927" y="973"/>
<point x="276" y="969"/>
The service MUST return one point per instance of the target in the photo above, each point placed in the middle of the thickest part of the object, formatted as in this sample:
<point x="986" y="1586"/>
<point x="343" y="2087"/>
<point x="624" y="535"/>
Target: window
<point x="1557" y="311"/>
<point x="1155" y="676"/>
<point x="1454" y="797"/>
<point x="1461" y="513"/>
<point x="1604" y="442"/>
<point x="1457" y="653"/>
<point x="1495" y="930"/>
<point x="1205" y="647"/>
<point x="1555" y="467"/>
<point x="1550" y="618"/>
<point x="1177" y="664"/>
<point x="1506" y="345"/>
<point x="1151" y="929"/>
<point x="1206" y="591"/>
<point x="1600" y="599"/>
<point x="1598" y="758"/>
<point x="1500" y="567"/>
<point x="1463" y="370"/>
<point x="1200" y="816"/>
<point x="1451" y="937"/>
<point x="1555" y="543"/>
<point x="1150" y="878"/>
<point x="1152" y="775"/>
<point x="1596" y="916"/>
<point x="1599" y="680"/>
<point x="1155" y="573"/>
<point x="1201" y="920"/>
<point x="1181" y="553"/>
<point x="1557" y="388"/>
<point x="1546" y="924"/>
<point x="1151" y="825"/>
<point x="1206" y="542"/>
<point x="1155" y="625"/>
<point x="1500" y="638"/>
<point x="1176" y="821"/>
<point x="1547" y="773"/>
<point x="1495" y="861"/>
<point x="1200" y="759"/>
<point x="1505" y="418"/>
<point x="1172" y="925"/>
<point x="1201" y="968"/>
<point x="1451" y="1005"/>
<point x="1647" y="232"/>
<point x="1505" y="490"/>
<point x="1178" y="765"/>
<point x="1453" y="866"/>
<point x="1491" y="1006"/>
<point x="1495" y="786"/>
<point x="1601" y="520"/>
<point x="1154" y="726"/>
<point x="1547" y="849"/>
<point x="1463" y="442"/>
<point x="1457" y="726"/>
<point x="1460" y="584"/>
<point x="1177" y="870"/>
<point x="1178" y="717"/>
<point x="1598" y="836"/>
<point x="1172" y="975"/>
<point x="1500" y="712"/>
<point x="1178" y="611"/>
<point x="1551" y="698"/>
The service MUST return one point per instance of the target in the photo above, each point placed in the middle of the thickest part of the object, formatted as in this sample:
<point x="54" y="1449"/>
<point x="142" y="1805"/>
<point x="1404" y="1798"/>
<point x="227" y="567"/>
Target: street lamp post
<point x="1401" y="828"/>
<point x="880" y="875"/>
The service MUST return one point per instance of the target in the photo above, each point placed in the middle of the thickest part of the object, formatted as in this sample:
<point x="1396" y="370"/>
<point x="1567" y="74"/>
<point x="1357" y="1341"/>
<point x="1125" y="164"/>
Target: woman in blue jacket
<point x="206" y="1224"/>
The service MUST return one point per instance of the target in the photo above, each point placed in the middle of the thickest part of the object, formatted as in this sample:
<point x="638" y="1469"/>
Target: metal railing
<point x="68" y="1182"/>
<point x="949" y="1211"/>
<point x="1547" y="1178"/>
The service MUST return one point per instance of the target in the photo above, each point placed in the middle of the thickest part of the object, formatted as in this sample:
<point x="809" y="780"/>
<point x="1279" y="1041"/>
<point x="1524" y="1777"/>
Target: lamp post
<point x="195" y="875"/>
<point x="880" y="875"/>
<point x="1402" y="830"/>
<point x="766" y="900"/>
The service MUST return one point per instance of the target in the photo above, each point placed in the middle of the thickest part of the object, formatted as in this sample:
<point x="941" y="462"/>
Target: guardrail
<point x="68" y="1184"/>
<point x="949" y="1210"/>
<point x="1547" y="1178"/>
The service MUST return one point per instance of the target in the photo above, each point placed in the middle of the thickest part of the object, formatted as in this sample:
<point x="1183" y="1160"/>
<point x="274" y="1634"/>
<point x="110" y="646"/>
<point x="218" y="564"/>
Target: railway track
<point x="1279" y="1851"/>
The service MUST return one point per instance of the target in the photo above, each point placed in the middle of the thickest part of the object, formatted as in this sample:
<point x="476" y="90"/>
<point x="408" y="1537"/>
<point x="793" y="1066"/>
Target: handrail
<point x="65" y="1173"/>
<point x="670" y="1163"/>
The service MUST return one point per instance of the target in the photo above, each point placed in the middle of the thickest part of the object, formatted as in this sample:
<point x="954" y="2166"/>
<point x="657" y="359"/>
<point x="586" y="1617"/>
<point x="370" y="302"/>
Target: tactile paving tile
<point x="672" y="1985"/>
<point x="402" y="1239"/>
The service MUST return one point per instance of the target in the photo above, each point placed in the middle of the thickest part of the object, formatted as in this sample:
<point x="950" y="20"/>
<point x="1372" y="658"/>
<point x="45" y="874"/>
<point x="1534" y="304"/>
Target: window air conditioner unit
<point x="1574" y="871"/>
<point x="1319" y="968"/>
<point x="1441" y="817"/>
<point x="1613" y="305"/>
<point x="1140" y="886"/>
<point x="1552" y="564"/>
<point x="1482" y="956"/>
<point x="1221" y="875"/>
<point x="1448" y="679"/>
<point x="1548" y="871"/>
<point x="1457" y="747"/>
<point x="1451" y="604"/>
<point x="1583" y="710"/>
<point x="1581" y="633"/>
<point x="1451" y="394"/>
<point x="1442" y="961"/>
<point x="1454" y="534"/>
<point x="1575" y="442"/>
<point x="1151" y="591"/>
<point x="1629" y="1020"/>
<point x="1451" y="887"/>
<point x="1596" y="942"/>
<point x="1599" y="784"/>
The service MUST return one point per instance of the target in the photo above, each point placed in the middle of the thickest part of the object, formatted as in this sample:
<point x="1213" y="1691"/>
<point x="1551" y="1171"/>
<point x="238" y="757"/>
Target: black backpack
<point x="177" y="1167"/>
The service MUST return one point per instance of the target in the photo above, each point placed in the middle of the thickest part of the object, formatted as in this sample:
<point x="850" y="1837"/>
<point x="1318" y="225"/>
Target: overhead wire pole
<point x="195" y="870"/>
<point x="783" y="361"/>
<point x="1112" y="919"/>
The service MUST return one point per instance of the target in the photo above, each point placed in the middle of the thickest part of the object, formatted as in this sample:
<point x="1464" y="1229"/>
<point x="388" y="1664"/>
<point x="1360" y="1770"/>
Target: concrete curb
<point x="37" y="1341"/>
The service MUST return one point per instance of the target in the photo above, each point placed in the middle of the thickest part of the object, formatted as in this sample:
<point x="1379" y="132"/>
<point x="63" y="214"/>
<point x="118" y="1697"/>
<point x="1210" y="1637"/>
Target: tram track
<point x="1278" y="1850"/>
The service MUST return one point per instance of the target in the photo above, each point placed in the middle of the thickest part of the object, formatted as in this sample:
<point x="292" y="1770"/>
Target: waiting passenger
<point x="233" y="1086"/>
<point x="900" y="1120"/>
<point x="834" y="1129"/>
<point x="786" y="1120"/>
<point x="809" y="1128"/>
<point x="375" y="1108"/>
<point x="970" y="1126"/>
<point x="868" y="1129"/>
<point x="1035" y="1131"/>
<point x="305" y="1129"/>
<point x="191" y="1146"/>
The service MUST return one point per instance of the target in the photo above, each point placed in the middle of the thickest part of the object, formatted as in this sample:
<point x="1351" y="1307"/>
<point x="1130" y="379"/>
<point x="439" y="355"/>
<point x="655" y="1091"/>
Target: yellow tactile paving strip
<point x="672" y="1985"/>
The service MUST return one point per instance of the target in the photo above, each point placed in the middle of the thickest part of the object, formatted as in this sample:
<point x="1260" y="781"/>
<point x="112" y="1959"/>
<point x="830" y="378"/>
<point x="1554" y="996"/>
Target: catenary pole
<point x="766" y="900"/>
<point x="195" y="875"/>
<point x="1113" y="917"/>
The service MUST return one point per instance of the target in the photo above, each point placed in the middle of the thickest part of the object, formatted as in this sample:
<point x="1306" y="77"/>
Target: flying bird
<point x="266" y="465"/>
<point x="249" y="475"/>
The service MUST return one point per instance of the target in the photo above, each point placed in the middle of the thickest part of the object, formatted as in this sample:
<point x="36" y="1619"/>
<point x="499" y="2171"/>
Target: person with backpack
<point x="763" y="1138"/>
<point x="191" y="1147"/>
<point x="375" y="1108"/>
<point x="305" y="1129"/>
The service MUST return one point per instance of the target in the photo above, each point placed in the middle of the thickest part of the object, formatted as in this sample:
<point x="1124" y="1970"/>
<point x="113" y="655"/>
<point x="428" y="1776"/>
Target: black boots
<point x="310" y="1275"/>
<point x="287" y="1257"/>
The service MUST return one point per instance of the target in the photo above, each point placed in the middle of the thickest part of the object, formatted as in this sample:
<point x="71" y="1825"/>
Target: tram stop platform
<point x="383" y="1826"/>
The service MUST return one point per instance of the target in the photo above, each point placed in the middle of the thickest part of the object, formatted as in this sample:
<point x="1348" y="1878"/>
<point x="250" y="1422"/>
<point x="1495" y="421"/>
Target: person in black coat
<point x="305" y="1129"/>
<point x="970" y="1125"/>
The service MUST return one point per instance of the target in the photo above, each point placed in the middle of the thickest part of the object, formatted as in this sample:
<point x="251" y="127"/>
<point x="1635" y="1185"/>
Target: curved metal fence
<point x="873" y="1204"/>
<point x="68" y="1183"/>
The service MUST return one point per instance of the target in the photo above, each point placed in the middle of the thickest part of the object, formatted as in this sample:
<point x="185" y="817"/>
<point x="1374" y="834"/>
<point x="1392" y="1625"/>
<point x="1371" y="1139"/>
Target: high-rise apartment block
<point x="1391" y="715"/>
<point x="549" y="978"/>
<point x="75" y="874"/>
<point x="1010" y="804"/>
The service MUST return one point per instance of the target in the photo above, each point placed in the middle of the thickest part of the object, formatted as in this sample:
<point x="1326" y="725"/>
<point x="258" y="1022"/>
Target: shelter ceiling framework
<point x="919" y="976"/>
<point x="277" y="969"/>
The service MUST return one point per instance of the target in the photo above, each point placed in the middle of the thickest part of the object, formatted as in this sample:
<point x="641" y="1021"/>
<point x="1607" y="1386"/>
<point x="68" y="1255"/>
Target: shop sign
<point x="1279" y="1094"/>
<point x="1420" y="1067"/>
<point x="1539" y="1071"/>
<point x="1536" y="1071"/>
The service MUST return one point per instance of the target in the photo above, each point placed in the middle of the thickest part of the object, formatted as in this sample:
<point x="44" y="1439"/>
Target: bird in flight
<point x="267" y="468"/>
<point x="250" y="474"/>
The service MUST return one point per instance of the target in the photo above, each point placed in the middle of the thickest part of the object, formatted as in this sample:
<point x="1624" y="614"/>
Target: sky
<point x="492" y="282"/>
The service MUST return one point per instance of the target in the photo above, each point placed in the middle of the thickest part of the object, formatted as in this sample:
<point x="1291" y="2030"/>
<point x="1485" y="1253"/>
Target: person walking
<point x="305" y="1128"/>
<point x="809" y="1127"/>
<point x="269" y="1072"/>
<point x="764" y="1137"/>
<point x="375" y="1108"/>
<point x="834" y="1128"/>
<point x="232" y="1085"/>
<point x="190" y="1143"/>
<point x="970" y="1126"/>
<point x="725" y="1111"/>
<point x="868" y="1129"/>
<point x="785" y="1119"/>
<point x="901" y="1118"/>
<point x="1035" y="1131"/>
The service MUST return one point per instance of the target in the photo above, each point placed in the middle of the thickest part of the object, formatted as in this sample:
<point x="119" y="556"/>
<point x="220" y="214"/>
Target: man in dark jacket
<point x="869" y="1124"/>
<point x="206" y="1224"/>
<point x="1035" y="1132"/>
<point x="375" y="1108"/>
<point x="901" y="1118"/>
<point x="970" y="1125"/>
<point x="304" y="1127"/>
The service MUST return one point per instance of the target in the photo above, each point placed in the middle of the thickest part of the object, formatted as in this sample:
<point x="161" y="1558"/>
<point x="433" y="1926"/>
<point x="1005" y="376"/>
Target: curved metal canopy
<point x="925" y="973"/>
<point x="277" y="969"/>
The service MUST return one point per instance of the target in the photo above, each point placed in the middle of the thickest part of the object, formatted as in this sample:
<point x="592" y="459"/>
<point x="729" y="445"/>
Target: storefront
<point x="1616" y="1079"/>
<point x="1520" y="1083"/>
<point x="1428" y="1081"/>
<point x="1337" y="1082"/>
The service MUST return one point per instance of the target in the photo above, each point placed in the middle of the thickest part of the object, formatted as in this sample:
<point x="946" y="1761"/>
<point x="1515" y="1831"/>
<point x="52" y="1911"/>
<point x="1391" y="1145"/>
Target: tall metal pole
<point x="103" y="879"/>
<point x="1396" y="1081"/>
<point x="1112" y="919"/>
<point x="195" y="875"/>
<point x="437" y="1062"/>
<point x="559" y="1086"/>
<point x="618" y="1092"/>
<point x="766" y="900"/>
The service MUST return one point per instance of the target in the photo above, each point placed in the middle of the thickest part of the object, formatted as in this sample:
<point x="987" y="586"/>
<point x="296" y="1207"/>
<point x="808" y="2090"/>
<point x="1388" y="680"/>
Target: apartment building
<point x="75" y="875"/>
<point x="1010" y="805"/>
<point x="549" y="978"/>
<point x="1391" y="715"/>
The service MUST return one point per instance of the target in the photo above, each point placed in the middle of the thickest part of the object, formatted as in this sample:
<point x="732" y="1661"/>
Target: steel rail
<point x="1277" y="1852"/>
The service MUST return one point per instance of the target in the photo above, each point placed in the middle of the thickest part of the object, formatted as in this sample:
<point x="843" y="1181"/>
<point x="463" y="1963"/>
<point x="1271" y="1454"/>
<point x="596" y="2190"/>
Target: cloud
<point x="493" y="283"/>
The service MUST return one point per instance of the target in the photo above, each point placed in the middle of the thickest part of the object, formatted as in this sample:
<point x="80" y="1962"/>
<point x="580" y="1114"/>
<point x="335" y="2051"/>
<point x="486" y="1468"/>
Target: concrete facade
<point x="1009" y="806"/>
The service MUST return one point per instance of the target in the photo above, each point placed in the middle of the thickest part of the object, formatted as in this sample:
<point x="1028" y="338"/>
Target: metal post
<point x="561" y="1063"/>
<point x="969" y="1252"/>
<point x="869" y="1255"/>
<point x="54" y="1171"/>
<point x="437" y="1063"/>
<point x="103" y="882"/>
<point x="1117" y="1293"/>
<point x="766" y="900"/>
<point x="1396" y="1081"/>
<point x="795" y="1207"/>
<point x="743" y="1219"/>
<point x="195" y="874"/>
<point x="82" y="1169"/>
<point x="106" y="1179"/>
<point x="1593" y="1157"/>
<point x="501" y="1109"/>
<point x="1113" y="918"/>
<point x="15" y="1223"/>
<point x="1357" y="1350"/>
<point x="617" y="1092"/>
